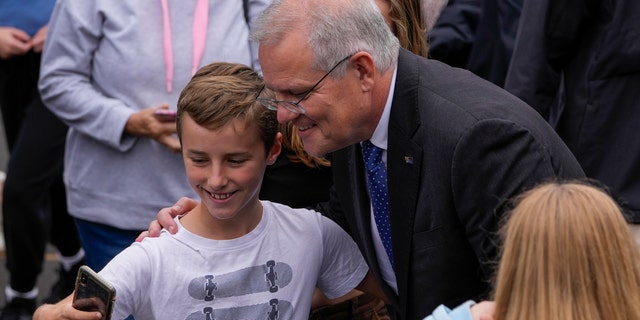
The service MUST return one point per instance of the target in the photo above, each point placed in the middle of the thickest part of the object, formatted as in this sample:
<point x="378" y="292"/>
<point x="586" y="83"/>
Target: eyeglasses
<point x="295" y="107"/>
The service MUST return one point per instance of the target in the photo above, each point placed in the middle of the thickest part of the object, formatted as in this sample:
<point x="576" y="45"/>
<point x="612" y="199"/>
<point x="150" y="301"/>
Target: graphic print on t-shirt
<point x="270" y="277"/>
<point x="274" y="309"/>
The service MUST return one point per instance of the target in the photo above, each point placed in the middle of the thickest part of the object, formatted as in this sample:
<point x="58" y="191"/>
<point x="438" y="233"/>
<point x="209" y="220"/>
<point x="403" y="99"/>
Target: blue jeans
<point x="102" y="242"/>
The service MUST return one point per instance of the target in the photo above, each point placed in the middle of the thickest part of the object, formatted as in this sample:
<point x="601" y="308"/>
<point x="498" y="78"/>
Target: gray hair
<point x="335" y="28"/>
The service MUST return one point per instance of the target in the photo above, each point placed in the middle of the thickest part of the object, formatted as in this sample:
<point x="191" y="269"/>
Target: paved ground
<point x="45" y="280"/>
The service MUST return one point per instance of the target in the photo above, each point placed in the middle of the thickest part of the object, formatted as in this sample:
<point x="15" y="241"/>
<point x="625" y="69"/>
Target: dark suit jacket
<point x="458" y="148"/>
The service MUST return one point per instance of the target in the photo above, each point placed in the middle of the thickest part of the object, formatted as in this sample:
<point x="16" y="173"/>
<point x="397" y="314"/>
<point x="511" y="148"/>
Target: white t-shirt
<point x="271" y="271"/>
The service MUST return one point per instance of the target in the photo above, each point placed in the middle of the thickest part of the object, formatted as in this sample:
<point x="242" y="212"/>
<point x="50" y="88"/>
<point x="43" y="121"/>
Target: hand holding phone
<point x="165" y="115"/>
<point x="93" y="293"/>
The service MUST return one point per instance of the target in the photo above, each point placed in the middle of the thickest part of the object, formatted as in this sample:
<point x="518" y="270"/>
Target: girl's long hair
<point x="568" y="254"/>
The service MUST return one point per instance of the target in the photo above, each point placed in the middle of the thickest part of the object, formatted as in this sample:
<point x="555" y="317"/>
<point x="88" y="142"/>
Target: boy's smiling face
<point x="226" y="167"/>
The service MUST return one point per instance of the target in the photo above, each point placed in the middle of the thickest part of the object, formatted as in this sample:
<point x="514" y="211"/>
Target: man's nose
<point x="285" y="115"/>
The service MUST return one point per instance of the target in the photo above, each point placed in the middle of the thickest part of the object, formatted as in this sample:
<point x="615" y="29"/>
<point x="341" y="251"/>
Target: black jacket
<point x="594" y="45"/>
<point x="477" y="35"/>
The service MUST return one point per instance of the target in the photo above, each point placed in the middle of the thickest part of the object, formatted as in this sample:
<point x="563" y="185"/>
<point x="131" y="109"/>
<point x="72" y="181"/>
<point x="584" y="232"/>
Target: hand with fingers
<point x="145" y="123"/>
<point x="165" y="216"/>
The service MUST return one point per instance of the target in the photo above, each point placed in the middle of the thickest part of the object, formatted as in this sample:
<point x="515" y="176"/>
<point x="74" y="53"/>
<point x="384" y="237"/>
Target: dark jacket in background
<point x="454" y="32"/>
<point x="294" y="183"/>
<point x="595" y="46"/>
<point x="530" y="77"/>
<point x="477" y="35"/>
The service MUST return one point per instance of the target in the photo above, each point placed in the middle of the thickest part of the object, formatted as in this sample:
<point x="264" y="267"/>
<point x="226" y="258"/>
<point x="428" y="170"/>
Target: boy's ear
<point x="273" y="154"/>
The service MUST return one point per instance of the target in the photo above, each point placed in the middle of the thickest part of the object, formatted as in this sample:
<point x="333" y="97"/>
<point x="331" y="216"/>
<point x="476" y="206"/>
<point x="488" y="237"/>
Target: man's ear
<point x="273" y="154"/>
<point x="363" y="63"/>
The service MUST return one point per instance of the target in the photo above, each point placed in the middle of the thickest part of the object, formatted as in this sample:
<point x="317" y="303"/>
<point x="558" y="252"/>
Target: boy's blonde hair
<point x="221" y="92"/>
<point x="568" y="254"/>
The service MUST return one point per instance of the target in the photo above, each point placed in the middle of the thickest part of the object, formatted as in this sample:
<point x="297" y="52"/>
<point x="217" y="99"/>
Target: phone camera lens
<point x="83" y="279"/>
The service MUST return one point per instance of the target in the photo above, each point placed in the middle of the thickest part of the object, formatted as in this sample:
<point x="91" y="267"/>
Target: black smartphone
<point x="93" y="293"/>
<point x="165" y="115"/>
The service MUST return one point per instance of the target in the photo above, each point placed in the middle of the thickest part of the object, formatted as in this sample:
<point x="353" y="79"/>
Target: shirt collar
<point x="381" y="134"/>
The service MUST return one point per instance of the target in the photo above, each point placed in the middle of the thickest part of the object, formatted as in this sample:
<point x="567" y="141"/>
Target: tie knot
<point x="371" y="154"/>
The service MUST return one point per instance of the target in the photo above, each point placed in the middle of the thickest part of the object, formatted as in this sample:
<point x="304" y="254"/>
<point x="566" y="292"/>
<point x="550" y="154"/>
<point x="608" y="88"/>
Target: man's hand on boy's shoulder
<point x="164" y="218"/>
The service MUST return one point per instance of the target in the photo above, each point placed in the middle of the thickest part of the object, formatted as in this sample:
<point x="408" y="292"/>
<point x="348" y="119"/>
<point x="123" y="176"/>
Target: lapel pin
<point x="408" y="159"/>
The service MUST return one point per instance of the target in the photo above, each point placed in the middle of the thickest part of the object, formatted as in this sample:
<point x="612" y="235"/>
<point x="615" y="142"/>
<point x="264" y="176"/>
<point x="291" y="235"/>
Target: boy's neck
<point x="199" y="222"/>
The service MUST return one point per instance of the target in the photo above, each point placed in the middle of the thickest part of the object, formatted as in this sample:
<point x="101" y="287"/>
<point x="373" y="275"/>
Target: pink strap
<point x="168" y="47"/>
<point x="199" y="32"/>
<point x="200" y="23"/>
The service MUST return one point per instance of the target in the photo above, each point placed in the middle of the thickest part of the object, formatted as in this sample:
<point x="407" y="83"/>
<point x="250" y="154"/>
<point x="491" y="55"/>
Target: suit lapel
<point x="404" y="162"/>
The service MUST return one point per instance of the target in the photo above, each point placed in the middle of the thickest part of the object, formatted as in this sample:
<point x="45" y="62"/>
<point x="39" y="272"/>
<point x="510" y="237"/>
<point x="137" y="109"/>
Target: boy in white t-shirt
<point x="234" y="256"/>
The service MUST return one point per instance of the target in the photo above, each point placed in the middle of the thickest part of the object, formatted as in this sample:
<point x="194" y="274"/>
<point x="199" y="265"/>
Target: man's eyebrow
<point x="305" y="91"/>
<point x="292" y="91"/>
<point x="295" y="87"/>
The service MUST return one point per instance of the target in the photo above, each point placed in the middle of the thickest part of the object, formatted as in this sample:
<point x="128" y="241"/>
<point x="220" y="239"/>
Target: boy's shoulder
<point x="282" y="210"/>
<point x="300" y="218"/>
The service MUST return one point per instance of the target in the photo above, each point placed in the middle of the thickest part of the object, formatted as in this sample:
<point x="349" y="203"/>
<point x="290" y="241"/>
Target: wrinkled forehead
<point x="286" y="61"/>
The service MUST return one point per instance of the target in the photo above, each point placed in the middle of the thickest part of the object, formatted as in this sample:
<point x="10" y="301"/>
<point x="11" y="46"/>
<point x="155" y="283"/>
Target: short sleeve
<point x="343" y="266"/>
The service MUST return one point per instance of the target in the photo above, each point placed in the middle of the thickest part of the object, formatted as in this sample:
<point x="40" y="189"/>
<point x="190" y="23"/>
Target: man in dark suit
<point x="456" y="147"/>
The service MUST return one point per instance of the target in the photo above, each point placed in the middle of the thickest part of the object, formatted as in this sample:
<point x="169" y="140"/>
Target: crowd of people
<point x="34" y="207"/>
<point x="353" y="127"/>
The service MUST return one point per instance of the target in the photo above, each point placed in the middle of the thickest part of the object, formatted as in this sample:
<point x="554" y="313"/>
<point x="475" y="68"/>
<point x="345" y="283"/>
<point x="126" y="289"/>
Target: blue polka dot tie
<point x="377" y="178"/>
